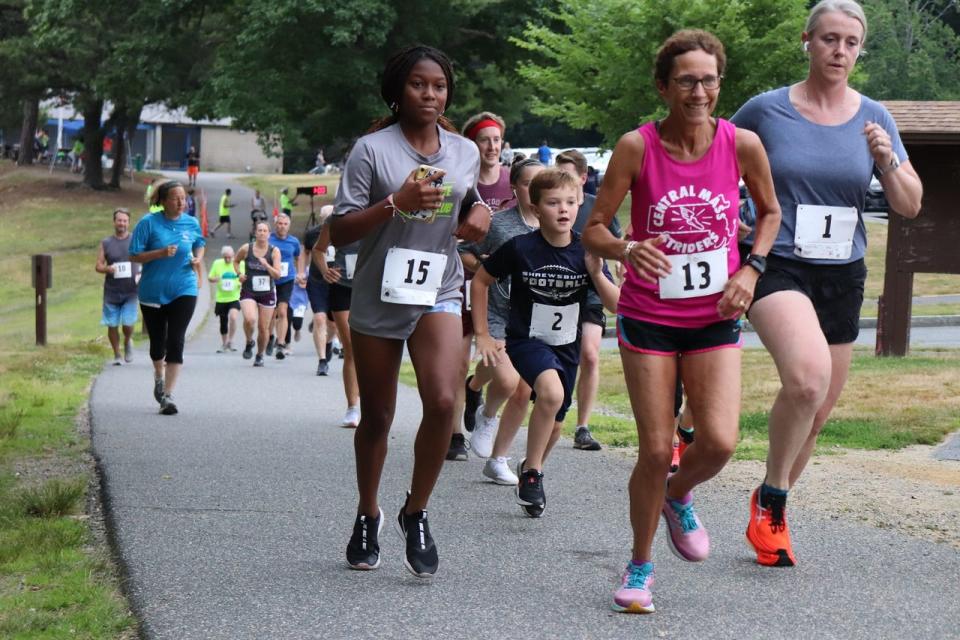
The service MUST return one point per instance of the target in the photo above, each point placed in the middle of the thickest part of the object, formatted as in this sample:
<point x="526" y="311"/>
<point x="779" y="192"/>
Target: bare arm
<point x="102" y="266"/>
<point x="609" y="293"/>
<point x="238" y="258"/>
<point x="901" y="186"/>
<point x="489" y="350"/>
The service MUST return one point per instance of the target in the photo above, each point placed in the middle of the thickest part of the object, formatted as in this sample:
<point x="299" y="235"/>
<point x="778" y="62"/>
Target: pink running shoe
<point x="687" y="537"/>
<point x="634" y="594"/>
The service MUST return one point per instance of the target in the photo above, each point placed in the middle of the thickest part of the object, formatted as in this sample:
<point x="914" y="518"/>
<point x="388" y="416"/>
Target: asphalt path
<point x="231" y="521"/>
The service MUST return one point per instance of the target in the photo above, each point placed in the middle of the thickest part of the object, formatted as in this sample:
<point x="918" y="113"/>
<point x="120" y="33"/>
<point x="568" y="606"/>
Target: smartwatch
<point x="759" y="263"/>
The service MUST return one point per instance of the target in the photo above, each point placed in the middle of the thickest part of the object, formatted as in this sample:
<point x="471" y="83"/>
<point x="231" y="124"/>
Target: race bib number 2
<point x="695" y="274"/>
<point x="555" y="326"/>
<point x="412" y="277"/>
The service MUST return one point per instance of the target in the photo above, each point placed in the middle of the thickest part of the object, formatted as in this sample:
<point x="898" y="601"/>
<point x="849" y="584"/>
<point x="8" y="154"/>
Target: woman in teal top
<point x="170" y="247"/>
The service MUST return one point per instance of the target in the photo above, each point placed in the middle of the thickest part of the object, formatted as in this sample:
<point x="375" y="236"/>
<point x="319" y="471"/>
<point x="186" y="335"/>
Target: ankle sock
<point x="769" y="495"/>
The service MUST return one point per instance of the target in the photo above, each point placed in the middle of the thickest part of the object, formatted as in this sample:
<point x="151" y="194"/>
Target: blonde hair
<point x="846" y="7"/>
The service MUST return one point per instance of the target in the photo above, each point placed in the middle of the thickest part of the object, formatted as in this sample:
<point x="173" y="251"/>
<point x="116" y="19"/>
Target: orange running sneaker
<point x="768" y="534"/>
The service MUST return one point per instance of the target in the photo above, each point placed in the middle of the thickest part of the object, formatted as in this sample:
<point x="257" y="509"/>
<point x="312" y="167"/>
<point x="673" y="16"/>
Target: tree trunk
<point x="126" y="125"/>
<point x="31" y="112"/>
<point x="93" y="143"/>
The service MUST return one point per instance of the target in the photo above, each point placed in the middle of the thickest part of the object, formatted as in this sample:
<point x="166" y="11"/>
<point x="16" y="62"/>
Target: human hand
<point x="490" y="351"/>
<point x="418" y="195"/>
<point x="880" y="144"/>
<point x="474" y="227"/>
<point x="648" y="261"/>
<point x="738" y="293"/>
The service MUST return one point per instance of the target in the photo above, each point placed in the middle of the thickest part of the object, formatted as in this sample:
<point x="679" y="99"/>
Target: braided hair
<point x="394" y="78"/>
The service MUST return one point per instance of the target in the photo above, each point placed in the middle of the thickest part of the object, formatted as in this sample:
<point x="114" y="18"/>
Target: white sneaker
<point x="481" y="442"/>
<point x="351" y="418"/>
<point x="499" y="471"/>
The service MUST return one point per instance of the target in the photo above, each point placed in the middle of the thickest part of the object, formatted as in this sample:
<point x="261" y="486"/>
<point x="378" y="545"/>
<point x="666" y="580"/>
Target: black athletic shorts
<point x="836" y="292"/>
<point x="664" y="340"/>
<point x="531" y="357"/>
<point x="594" y="315"/>
<point x="223" y="308"/>
<point x="328" y="298"/>
<point x="284" y="291"/>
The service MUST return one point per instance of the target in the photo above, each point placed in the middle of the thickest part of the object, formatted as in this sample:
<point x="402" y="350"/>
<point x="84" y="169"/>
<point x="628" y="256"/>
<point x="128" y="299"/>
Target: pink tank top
<point x="695" y="204"/>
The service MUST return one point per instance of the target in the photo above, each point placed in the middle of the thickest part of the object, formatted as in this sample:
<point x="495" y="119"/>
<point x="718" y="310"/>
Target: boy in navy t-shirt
<point x="550" y="274"/>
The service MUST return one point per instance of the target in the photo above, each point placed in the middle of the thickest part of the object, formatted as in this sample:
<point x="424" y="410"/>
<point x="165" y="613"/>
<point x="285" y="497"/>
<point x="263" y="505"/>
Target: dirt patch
<point x="19" y="184"/>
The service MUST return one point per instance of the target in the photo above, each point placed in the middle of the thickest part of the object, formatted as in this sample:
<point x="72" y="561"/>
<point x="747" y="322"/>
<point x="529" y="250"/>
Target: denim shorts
<point x="124" y="314"/>
<point x="447" y="306"/>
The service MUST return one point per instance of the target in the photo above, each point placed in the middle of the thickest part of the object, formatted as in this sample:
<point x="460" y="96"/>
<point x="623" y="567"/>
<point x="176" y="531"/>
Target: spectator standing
<point x="193" y="166"/>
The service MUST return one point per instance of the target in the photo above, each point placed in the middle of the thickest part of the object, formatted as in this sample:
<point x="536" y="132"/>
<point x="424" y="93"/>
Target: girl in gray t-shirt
<point x="406" y="285"/>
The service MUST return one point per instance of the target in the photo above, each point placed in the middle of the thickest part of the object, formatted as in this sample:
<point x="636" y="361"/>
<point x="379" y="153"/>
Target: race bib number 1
<point x="555" y="326"/>
<point x="412" y="277"/>
<point x="825" y="233"/>
<point x="122" y="270"/>
<point x="695" y="274"/>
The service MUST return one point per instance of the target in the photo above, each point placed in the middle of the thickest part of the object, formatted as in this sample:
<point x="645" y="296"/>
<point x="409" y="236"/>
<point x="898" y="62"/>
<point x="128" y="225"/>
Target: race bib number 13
<point x="695" y="274"/>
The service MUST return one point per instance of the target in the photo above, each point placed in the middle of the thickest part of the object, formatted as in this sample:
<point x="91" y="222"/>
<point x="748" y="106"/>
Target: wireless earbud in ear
<point x="806" y="46"/>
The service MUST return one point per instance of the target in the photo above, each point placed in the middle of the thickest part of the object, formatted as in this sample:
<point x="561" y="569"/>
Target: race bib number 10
<point x="412" y="277"/>
<point x="122" y="270"/>
<point x="695" y="274"/>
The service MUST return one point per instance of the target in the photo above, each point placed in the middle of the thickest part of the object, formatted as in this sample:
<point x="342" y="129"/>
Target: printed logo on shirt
<point x="185" y="236"/>
<point x="555" y="281"/>
<point x="446" y="209"/>
<point x="689" y="211"/>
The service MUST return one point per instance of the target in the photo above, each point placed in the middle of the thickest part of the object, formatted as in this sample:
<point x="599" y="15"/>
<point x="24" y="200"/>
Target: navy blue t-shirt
<point x="548" y="287"/>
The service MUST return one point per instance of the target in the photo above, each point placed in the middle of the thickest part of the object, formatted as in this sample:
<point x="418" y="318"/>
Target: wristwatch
<point x="759" y="263"/>
<point x="894" y="164"/>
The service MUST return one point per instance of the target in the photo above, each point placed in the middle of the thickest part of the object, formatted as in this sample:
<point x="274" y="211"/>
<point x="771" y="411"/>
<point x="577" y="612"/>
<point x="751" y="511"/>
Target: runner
<point x="193" y="166"/>
<point x="258" y="212"/>
<point x="407" y="284"/>
<point x="170" y="247"/>
<point x="227" y="306"/>
<point x="119" y="286"/>
<point x="318" y="290"/>
<point x="494" y="437"/>
<point x="286" y="204"/>
<point x="486" y="130"/>
<point x="825" y="142"/>
<point x="550" y="274"/>
<point x="225" y="206"/>
<point x="594" y="322"/>
<point x="258" y="264"/>
<point x="684" y="291"/>
<point x="292" y="270"/>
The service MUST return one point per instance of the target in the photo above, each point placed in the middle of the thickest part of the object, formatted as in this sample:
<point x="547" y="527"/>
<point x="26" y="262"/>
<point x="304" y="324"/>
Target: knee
<point x="809" y="389"/>
<point x="716" y="448"/>
<point x="656" y="458"/>
<point x="440" y="405"/>
<point x="551" y="396"/>
<point x="589" y="359"/>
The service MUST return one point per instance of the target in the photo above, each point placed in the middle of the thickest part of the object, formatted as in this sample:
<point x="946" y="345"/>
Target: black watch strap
<point x="758" y="262"/>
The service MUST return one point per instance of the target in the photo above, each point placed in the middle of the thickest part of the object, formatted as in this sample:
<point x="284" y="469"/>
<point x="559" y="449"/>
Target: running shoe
<point x="248" y="350"/>
<point x="221" y="349"/>
<point x="421" y="557"/>
<point x="686" y="535"/>
<point x="499" y="471"/>
<point x="128" y="351"/>
<point x="230" y="347"/>
<point x="351" y="419"/>
<point x="270" y="344"/>
<point x="530" y="494"/>
<point x="458" y="448"/>
<point x="768" y="534"/>
<point x="258" y="361"/>
<point x="584" y="440"/>
<point x="473" y="400"/>
<point x="117" y="361"/>
<point x="167" y="406"/>
<point x="634" y="595"/>
<point x="481" y="441"/>
<point x="158" y="389"/>
<point x="281" y="354"/>
<point x="363" y="550"/>
<point x="323" y="368"/>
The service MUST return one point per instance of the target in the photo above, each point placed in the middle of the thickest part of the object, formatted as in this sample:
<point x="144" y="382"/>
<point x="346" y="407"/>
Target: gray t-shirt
<point x="119" y="290"/>
<point x="816" y="164"/>
<point x="504" y="225"/>
<point x="378" y="165"/>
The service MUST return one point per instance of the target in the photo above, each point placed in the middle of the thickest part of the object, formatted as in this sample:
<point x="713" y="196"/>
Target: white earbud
<point x="806" y="46"/>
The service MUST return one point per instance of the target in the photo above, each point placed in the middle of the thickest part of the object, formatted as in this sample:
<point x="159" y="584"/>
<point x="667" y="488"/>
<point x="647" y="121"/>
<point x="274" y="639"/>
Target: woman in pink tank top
<point x="684" y="292"/>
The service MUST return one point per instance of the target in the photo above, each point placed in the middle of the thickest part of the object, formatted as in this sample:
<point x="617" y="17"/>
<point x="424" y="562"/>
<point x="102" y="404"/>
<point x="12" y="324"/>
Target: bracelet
<point x="393" y="207"/>
<point x="628" y="249"/>
<point x="483" y="203"/>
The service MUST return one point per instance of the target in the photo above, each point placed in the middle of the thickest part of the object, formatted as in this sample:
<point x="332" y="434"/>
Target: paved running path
<point x="232" y="518"/>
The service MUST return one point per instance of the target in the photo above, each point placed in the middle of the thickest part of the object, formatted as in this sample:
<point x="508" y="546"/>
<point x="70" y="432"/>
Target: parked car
<point x="876" y="200"/>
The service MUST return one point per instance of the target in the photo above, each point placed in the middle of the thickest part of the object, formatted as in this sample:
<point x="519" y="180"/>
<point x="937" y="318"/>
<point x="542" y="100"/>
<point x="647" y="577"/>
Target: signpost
<point x="42" y="279"/>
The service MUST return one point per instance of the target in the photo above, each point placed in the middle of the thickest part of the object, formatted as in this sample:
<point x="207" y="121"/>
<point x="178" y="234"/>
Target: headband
<point x="483" y="124"/>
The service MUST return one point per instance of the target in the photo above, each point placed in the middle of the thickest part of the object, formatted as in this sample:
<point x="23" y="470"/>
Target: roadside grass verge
<point x="56" y="578"/>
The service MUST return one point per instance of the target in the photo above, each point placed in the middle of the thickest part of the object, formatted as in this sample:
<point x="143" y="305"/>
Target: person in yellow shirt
<point x="227" y="308"/>
<point x="225" y="206"/>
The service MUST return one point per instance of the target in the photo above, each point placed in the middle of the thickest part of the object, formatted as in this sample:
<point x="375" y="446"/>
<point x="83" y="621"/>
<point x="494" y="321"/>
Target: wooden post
<point x="42" y="273"/>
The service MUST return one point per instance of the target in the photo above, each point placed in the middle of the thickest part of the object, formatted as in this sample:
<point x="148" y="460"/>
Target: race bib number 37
<point x="412" y="277"/>
<point x="695" y="274"/>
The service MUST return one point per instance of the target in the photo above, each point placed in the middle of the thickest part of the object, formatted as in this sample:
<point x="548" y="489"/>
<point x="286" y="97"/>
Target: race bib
<point x="299" y="311"/>
<point x="555" y="326"/>
<point x="260" y="284"/>
<point x="466" y="295"/>
<point x="412" y="277"/>
<point x="228" y="284"/>
<point x="825" y="233"/>
<point x="351" y="261"/>
<point x="122" y="270"/>
<point x="284" y="269"/>
<point x="695" y="274"/>
<point x="331" y="253"/>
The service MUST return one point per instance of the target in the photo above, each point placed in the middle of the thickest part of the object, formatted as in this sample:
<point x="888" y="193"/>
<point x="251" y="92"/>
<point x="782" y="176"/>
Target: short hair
<point x="518" y="167"/>
<point x="120" y="210"/>
<point x="398" y="67"/>
<point x="575" y="158"/>
<point x="226" y="249"/>
<point x="551" y="179"/>
<point x="260" y="222"/>
<point x="162" y="190"/>
<point x="848" y="7"/>
<point x="474" y="120"/>
<point x="682" y="42"/>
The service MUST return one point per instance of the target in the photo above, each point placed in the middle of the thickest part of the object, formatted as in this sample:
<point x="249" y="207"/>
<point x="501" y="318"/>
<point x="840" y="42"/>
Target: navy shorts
<point x="836" y="292"/>
<point x="531" y="357"/>
<point x="664" y="340"/>
<point x="328" y="298"/>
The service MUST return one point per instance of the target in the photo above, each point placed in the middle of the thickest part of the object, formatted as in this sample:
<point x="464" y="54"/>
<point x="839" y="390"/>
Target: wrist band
<point x="628" y="249"/>
<point x="484" y="204"/>
<point x="393" y="207"/>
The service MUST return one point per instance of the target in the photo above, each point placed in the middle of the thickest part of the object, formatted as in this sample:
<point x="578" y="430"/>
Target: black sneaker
<point x="248" y="351"/>
<point x="458" y="447"/>
<point x="258" y="361"/>
<point x="584" y="440"/>
<point x="472" y="400"/>
<point x="280" y="353"/>
<point x="420" y="558"/>
<point x="167" y="407"/>
<point x="530" y="491"/>
<point x="270" y="343"/>
<point x="158" y="390"/>
<point x="363" y="550"/>
<point x="322" y="368"/>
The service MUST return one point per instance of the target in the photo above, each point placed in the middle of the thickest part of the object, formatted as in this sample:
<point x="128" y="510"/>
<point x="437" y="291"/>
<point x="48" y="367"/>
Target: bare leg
<point x="231" y="324"/>
<point x="263" y="329"/>
<point x="514" y="413"/>
<point x="589" y="378"/>
<point x="350" y="388"/>
<point x="543" y="425"/>
<point x="113" y="335"/>
<point x="320" y="335"/>
<point x="249" y="309"/>
<point x="170" y="377"/>
<point x="280" y="318"/>
<point x="461" y="396"/>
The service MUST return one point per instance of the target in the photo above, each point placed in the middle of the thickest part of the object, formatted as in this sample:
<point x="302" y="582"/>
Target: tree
<point x="595" y="68"/>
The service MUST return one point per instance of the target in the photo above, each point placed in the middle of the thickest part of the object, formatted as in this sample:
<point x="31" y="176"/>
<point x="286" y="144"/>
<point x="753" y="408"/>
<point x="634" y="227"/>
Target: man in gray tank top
<point x="119" y="286"/>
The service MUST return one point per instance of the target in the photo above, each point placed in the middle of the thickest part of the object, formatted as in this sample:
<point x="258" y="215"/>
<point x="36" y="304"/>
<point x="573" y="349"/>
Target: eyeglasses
<point x="687" y="83"/>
